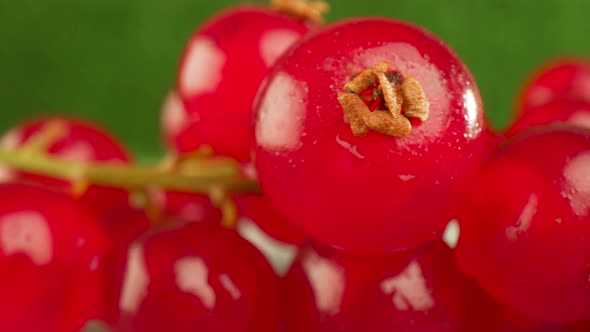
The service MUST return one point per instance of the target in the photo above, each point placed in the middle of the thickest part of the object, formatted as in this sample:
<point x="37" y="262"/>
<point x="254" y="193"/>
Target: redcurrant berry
<point x="51" y="255"/>
<point x="123" y="226"/>
<point x="567" y="78"/>
<point x="198" y="277"/>
<point x="418" y="290"/>
<point x="184" y="206"/>
<point x="257" y="208"/>
<point x="72" y="140"/>
<point x="525" y="232"/>
<point x="220" y="72"/>
<point x="560" y="111"/>
<point x="325" y="153"/>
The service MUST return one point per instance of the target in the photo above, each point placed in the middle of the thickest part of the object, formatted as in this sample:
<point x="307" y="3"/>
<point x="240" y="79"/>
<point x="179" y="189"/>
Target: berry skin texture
<point x="198" y="277"/>
<point x="566" y="78"/>
<point x="51" y="255"/>
<point x="224" y="63"/>
<point x="421" y="290"/>
<point x="123" y="226"/>
<point x="374" y="192"/>
<point x="525" y="231"/>
<point x="184" y="206"/>
<point x="257" y="208"/>
<point x="75" y="140"/>
<point x="571" y="112"/>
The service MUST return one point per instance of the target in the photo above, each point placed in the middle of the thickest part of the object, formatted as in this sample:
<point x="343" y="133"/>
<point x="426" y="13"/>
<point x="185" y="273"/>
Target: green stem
<point x="200" y="178"/>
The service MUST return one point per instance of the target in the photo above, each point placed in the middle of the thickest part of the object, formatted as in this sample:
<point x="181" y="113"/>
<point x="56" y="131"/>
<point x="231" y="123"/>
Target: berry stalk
<point x="201" y="177"/>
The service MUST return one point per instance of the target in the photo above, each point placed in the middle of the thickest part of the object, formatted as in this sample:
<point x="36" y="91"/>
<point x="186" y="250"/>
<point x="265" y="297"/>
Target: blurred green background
<point x="113" y="60"/>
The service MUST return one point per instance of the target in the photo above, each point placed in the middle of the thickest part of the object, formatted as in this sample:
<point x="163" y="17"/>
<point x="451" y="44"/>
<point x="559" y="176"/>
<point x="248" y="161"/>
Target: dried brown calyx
<point x="382" y="100"/>
<point x="304" y="9"/>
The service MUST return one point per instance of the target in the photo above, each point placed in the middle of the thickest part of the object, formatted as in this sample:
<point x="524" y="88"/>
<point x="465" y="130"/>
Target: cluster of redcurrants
<point x="387" y="204"/>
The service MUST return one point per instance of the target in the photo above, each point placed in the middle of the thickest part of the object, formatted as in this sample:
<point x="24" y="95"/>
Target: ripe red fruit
<point x="572" y="112"/>
<point x="198" y="277"/>
<point x="72" y="140"/>
<point x="184" y="206"/>
<point x="567" y="78"/>
<point x="525" y="231"/>
<point x="123" y="226"/>
<point x="224" y="63"/>
<point x="418" y="290"/>
<point x="257" y="208"/>
<point x="51" y="258"/>
<point x="375" y="192"/>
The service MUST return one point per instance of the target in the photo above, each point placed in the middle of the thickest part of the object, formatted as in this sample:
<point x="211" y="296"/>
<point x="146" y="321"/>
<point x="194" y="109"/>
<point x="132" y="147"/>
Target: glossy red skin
<point x="427" y="293"/>
<point x="525" y="232"/>
<point x="372" y="193"/>
<point x="189" y="207"/>
<point x="573" y="112"/>
<point x="192" y="207"/>
<point x="567" y="78"/>
<point x="512" y="322"/>
<point x="237" y="48"/>
<point x="51" y="255"/>
<point x="82" y="142"/>
<point x="492" y="140"/>
<point x="257" y="208"/>
<point x="123" y="226"/>
<point x="207" y="254"/>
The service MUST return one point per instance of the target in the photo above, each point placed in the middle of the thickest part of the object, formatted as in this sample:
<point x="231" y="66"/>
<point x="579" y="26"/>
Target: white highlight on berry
<point x="203" y="70"/>
<point x="6" y="174"/>
<point x="452" y="233"/>
<point x="94" y="263"/>
<point x="274" y="43"/>
<point x="581" y="118"/>
<point x="577" y="175"/>
<point x="280" y="255"/>
<point x="28" y="233"/>
<point x="471" y="116"/>
<point x="192" y="212"/>
<point x="11" y="139"/>
<point x="327" y="280"/>
<point x="174" y="116"/>
<point x="229" y="286"/>
<point x="192" y="277"/>
<point x="78" y="151"/>
<point x="513" y="232"/>
<point x="282" y="113"/>
<point x="540" y="95"/>
<point x="80" y="242"/>
<point x="407" y="177"/>
<point x="350" y="147"/>
<point x="409" y="289"/>
<point x="135" y="280"/>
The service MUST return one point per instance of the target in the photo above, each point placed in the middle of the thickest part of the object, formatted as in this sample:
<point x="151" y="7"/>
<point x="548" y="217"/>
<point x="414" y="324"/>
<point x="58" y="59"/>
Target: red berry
<point x="51" y="257"/>
<point x="223" y="65"/>
<point x="78" y="141"/>
<point x="560" y="111"/>
<point x="257" y="208"/>
<point x="525" y="232"/>
<point x="508" y="321"/>
<point x="375" y="192"/>
<point x="184" y="206"/>
<point x="123" y="226"/>
<point x="198" y="277"/>
<point x="567" y="78"/>
<point x="419" y="290"/>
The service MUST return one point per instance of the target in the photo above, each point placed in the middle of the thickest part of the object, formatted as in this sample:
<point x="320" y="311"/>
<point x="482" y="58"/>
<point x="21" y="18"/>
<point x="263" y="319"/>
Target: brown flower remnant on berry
<point x="402" y="98"/>
<point x="304" y="9"/>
